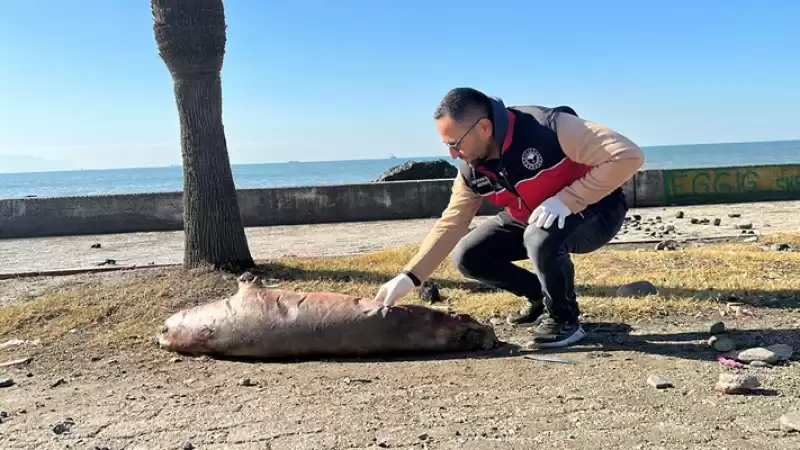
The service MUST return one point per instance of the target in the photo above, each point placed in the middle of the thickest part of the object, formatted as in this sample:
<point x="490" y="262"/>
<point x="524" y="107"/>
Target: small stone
<point x="637" y="289"/>
<point x="704" y="221"/>
<point x="63" y="427"/>
<point x="783" y="352"/>
<point x="679" y="215"/>
<point x="779" y="247"/>
<point x="717" y="328"/>
<point x="423" y="437"/>
<point x="245" y="382"/>
<point x="188" y="446"/>
<point x="96" y="245"/>
<point x="383" y="443"/>
<point x="17" y="362"/>
<point x="175" y="360"/>
<point x="734" y="215"/>
<point x="658" y="218"/>
<point x="757" y="354"/>
<point x="58" y="382"/>
<point x="745" y="226"/>
<point x="637" y="217"/>
<point x="732" y="383"/>
<point x="668" y="244"/>
<point x="694" y="221"/>
<point x="658" y="382"/>
<point x="790" y="421"/>
<point x="429" y="292"/>
<point x="722" y="343"/>
<point x="6" y="382"/>
<point x="717" y="222"/>
<point x="670" y="228"/>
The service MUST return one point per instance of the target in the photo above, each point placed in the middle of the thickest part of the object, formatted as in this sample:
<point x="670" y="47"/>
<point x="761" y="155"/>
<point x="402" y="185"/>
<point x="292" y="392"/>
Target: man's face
<point x="470" y="140"/>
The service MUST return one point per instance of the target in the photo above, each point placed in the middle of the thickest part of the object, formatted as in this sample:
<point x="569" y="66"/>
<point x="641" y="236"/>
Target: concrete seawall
<point x="54" y="216"/>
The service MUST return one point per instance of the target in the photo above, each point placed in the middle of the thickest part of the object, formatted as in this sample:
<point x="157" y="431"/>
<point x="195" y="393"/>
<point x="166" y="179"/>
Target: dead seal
<point x="260" y="322"/>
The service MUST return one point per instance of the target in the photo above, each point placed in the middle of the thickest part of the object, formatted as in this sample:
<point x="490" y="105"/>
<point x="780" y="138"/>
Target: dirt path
<point x="350" y="238"/>
<point x="144" y="401"/>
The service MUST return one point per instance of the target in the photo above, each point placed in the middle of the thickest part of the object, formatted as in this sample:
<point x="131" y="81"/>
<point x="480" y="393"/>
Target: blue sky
<point x="82" y="84"/>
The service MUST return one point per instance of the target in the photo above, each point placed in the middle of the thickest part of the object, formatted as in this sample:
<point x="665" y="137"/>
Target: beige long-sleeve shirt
<point x="614" y="159"/>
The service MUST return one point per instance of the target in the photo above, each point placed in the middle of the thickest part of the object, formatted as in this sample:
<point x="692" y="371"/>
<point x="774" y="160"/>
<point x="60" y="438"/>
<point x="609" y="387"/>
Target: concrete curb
<point x="80" y="270"/>
<point x="392" y="200"/>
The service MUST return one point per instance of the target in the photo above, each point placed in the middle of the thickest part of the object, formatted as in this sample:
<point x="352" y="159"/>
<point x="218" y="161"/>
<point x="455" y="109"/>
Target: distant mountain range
<point x="13" y="163"/>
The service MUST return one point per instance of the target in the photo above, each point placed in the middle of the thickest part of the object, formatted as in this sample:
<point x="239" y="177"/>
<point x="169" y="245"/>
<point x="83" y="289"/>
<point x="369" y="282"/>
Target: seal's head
<point x="184" y="332"/>
<point x="208" y="328"/>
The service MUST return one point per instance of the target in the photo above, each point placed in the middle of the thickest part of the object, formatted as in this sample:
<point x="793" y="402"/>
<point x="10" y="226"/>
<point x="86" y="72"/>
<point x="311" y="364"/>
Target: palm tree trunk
<point x="191" y="41"/>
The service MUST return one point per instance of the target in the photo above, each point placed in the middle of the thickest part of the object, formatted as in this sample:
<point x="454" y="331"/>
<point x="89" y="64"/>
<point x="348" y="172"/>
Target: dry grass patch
<point x="127" y="308"/>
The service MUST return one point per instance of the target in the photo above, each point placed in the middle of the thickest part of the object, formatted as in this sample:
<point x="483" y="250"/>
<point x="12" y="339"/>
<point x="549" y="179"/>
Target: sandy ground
<point x="70" y="398"/>
<point x="20" y="255"/>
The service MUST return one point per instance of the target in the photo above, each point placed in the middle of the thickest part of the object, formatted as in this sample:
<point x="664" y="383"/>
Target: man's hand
<point x="550" y="210"/>
<point x="394" y="289"/>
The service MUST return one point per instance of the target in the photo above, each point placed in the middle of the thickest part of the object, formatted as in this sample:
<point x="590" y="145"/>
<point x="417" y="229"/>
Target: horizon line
<point x="384" y="158"/>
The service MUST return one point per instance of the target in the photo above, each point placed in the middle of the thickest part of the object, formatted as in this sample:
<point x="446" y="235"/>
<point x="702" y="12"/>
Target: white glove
<point x="394" y="289"/>
<point x="551" y="209"/>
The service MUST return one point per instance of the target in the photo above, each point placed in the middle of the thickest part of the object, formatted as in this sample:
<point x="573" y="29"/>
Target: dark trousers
<point x="487" y="253"/>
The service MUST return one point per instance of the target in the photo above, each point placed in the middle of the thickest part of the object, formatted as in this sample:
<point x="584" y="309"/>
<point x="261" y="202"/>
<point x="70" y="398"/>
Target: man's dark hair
<point x="464" y="104"/>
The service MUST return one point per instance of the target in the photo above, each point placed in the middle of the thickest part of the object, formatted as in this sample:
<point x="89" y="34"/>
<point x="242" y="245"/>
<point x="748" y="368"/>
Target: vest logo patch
<point x="481" y="182"/>
<point x="532" y="159"/>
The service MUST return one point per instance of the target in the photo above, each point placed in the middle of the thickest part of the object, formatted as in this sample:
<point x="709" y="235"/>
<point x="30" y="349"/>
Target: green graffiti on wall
<point x="732" y="182"/>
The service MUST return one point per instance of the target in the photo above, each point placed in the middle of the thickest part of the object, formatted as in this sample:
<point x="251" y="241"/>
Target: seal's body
<point x="261" y="322"/>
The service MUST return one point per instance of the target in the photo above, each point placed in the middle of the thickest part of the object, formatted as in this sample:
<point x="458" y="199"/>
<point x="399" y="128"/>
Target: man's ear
<point x="485" y="128"/>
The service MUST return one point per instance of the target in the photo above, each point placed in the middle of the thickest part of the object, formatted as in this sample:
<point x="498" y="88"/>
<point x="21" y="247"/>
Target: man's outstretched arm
<point x="437" y="245"/>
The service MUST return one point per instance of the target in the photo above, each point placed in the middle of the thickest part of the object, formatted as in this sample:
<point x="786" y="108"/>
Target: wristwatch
<point x="413" y="278"/>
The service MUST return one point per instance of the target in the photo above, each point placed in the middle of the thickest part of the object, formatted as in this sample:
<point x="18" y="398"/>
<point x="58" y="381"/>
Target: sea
<point x="289" y="174"/>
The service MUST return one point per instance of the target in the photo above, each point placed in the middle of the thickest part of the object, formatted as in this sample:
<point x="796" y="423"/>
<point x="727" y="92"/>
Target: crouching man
<point x="558" y="178"/>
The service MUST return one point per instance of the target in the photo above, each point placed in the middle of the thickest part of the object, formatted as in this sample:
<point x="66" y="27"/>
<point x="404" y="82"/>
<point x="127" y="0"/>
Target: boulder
<point x="420" y="170"/>
<point x="637" y="289"/>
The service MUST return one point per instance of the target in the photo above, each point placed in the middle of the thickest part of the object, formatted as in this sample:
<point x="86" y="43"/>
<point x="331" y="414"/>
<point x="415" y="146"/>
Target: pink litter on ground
<point x="730" y="363"/>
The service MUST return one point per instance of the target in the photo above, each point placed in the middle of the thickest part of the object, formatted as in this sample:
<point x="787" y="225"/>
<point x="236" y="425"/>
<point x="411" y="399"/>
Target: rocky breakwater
<point x="420" y="170"/>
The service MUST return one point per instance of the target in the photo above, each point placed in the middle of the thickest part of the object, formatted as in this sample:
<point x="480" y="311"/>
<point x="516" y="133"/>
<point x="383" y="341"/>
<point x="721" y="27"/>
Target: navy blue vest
<point x="532" y="168"/>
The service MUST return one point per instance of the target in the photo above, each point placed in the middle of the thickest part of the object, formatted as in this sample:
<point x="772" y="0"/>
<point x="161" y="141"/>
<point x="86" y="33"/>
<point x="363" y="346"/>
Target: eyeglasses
<point x="454" y="147"/>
